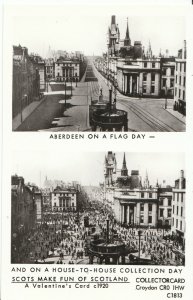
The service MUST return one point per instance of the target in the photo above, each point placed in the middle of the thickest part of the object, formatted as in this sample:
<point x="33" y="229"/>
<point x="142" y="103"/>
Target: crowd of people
<point x="60" y="243"/>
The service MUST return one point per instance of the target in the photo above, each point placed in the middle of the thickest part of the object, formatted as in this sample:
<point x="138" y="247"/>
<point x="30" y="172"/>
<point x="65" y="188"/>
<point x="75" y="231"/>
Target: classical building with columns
<point x="67" y="70"/>
<point x="132" y="202"/>
<point x="140" y="77"/>
<point x="64" y="199"/>
<point x="137" y="72"/>
<point x="136" y="207"/>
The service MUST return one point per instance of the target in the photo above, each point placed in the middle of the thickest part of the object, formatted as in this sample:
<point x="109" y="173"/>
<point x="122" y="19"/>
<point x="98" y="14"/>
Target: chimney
<point x="184" y="50"/>
<point x="107" y="231"/>
<point x="113" y="20"/>
<point x="181" y="179"/>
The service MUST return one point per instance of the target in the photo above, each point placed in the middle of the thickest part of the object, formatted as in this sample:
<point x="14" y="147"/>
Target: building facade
<point x="180" y="81"/>
<point x="178" y="208"/>
<point x="49" y="69"/>
<point x="40" y="65"/>
<point x="132" y="203"/>
<point x="67" y="70"/>
<point x="64" y="199"/>
<point x="23" y="208"/>
<point x="136" y="207"/>
<point x="26" y="80"/>
<point x="167" y="77"/>
<point x="165" y="196"/>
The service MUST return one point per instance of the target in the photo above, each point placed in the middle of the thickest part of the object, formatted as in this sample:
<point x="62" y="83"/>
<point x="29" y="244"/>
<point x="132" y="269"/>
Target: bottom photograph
<point x="103" y="208"/>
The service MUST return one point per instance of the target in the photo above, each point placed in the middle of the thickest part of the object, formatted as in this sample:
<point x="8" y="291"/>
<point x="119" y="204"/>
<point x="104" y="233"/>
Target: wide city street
<point x="69" y="110"/>
<point x="64" y="238"/>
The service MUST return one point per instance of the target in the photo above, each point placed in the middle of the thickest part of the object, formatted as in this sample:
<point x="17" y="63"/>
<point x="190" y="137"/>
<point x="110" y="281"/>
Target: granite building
<point x="178" y="208"/>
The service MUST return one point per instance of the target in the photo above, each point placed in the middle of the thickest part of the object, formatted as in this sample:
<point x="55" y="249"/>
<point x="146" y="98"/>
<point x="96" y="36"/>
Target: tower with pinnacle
<point x="127" y="40"/>
<point x="146" y="182"/>
<point x="113" y="37"/>
<point x="110" y="168"/>
<point x="124" y="170"/>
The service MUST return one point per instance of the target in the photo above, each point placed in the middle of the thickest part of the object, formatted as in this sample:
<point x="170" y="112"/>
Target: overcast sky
<point x="88" y="168"/>
<point x="74" y="30"/>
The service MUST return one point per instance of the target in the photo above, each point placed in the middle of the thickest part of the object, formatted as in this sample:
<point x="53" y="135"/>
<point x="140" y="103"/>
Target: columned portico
<point x="137" y="213"/>
<point x="127" y="214"/>
<point x="131" y="83"/>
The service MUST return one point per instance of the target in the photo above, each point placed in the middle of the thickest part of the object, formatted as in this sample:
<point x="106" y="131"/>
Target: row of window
<point x="179" y="212"/>
<point x="179" y="93"/>
<point x="143" y="195"/>
<point x="169" y="212"/>
<point x="142" y="207"/>
<point x="165" y="81"/>
<point x="181" y="80"/>
<point x="178" y="223"/>
<point x="164" y="71"/>
<point x="181" y="66"/>
<point x="145" y="65"/>
<point x="152" y="89"/>
<point x="167" y="202"/>
<point x="178" y="196"/>
<point x="142" y="219"/>
<point x="145" y="76"/>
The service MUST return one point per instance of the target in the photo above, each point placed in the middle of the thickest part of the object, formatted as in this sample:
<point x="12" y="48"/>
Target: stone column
<point x="125" y="214"/>
<point x="145" y="213"/>
<point x="137" y="84"/>
<point x="125" y="84"/>
<point x="131" y="80"/>
<point x="91" y="260"/>
<point x="121" y="216"/>
<point x="135" y="212"/>
<point x="154" y="214"/>
<point x="138" y="213"/>
<point x="128" y="216"/>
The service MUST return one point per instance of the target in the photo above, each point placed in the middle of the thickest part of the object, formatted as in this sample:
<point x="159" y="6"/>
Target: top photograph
<point x="99" y="73"/>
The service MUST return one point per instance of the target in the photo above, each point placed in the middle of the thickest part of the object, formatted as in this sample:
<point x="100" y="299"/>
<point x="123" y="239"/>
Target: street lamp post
<point x="62" y="222"/>
<point x="139" y="234"/>
<point x="166" y="99"/>
<point x="21" y="107"/>
<point x="65" y="92"/>
<point x="71" y="86"/>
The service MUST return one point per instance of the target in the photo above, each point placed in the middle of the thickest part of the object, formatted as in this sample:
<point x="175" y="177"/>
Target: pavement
<point x="26" y="112"/>
<point x="176" y="114"/>
<point x="75" y="116"/>
<point x="53" y="115"/>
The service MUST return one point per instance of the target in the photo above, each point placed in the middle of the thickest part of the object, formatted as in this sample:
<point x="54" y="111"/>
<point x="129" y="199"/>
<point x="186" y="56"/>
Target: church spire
<point x="124" y="171"/>
<point x="149" y="51"/>
<point x="127" y="31"/>
<point x="157" y="184"/>
<point x="146" y="182"/>
<point x="127" y="40"/>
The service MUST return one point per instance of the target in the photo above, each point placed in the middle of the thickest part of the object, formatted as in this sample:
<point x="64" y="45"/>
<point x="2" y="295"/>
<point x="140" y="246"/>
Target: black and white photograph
<point x="98" y="71"/>
<point x="96" y="150"/>
<point x="98" y="208"/>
